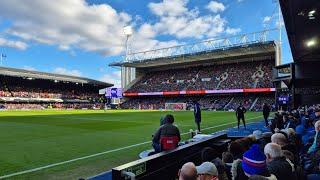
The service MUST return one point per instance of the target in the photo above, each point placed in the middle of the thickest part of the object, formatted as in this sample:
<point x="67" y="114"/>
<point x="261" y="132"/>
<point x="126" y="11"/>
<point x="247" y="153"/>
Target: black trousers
<point x="266" y="116"/>
<point x="198" y="125"/>
<point x="243" y="121"/>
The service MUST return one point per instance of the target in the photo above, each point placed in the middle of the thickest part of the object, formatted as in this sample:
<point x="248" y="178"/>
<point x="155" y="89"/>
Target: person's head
<point x="279" y="139"/>
<point x="227" y="157"/>
<point x="188" y="172"/>
<point x="272" y="150"/>
<point x="207" y="171"/>
<point x="291" y="132"/>
<point x="317" y="126"/>
<point x="245" y="142"/>
<point x="169" y="119"/>
<point x="208" y="154"/>
<point x="254" y="161"/>
<point x="236" y="149"/>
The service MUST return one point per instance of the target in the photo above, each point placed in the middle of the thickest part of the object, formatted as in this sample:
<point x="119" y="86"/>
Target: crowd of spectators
<point x="225" y="76"/>
<point x="226" y="102"/>
<point x="22" y="88"/>
<point x="35" y="106"/>
<point x="290" y="151"/>
<point x="34" y="92"/>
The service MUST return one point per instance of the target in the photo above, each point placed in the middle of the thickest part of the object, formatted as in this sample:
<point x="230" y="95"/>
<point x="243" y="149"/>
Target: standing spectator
<point x="266" y="113"/>
<point x="277" y="164"/>
<point x="197" y="114"/>
<point x="188" y="172"/>
<point x="240" y="115"/>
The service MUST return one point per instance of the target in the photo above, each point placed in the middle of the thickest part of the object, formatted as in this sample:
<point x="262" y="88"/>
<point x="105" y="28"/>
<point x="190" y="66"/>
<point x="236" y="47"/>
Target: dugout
<point x="165" y="165"/>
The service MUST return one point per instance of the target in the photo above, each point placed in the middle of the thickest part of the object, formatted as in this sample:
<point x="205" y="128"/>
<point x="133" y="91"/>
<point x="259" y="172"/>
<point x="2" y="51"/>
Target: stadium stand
<point x="22" y="89"/>
<point x="224" y="76"/>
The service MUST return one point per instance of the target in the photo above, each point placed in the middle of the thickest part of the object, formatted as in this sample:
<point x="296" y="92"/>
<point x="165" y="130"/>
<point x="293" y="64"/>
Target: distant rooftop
<point x="5" y="71"/>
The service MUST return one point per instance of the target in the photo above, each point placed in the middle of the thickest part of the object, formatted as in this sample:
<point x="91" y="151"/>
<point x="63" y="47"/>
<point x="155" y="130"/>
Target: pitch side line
<point x="101" y="153"/>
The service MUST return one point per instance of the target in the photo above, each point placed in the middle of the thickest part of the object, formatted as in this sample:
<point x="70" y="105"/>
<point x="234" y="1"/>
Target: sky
<point x="81" y="37"/>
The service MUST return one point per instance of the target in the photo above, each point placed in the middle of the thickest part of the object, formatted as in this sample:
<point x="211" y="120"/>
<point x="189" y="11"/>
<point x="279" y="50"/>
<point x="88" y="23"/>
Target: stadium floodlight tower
<point x="127" y="74"/>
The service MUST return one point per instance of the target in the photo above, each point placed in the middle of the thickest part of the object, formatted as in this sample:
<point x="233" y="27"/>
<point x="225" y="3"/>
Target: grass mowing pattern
<point x="31" y="139"/>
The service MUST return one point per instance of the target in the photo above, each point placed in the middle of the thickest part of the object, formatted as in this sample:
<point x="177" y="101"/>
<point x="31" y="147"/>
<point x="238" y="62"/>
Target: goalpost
<point x="176" y="106"/>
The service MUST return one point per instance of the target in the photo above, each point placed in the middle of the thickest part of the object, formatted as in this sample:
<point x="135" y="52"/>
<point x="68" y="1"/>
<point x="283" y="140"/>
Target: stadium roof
<point x="302" y="21"/>
<point x="239" y="48"/>
<point x="5" y="71"/>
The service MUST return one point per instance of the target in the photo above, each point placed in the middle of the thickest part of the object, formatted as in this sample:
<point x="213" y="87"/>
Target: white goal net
<point x="176" y="106"/>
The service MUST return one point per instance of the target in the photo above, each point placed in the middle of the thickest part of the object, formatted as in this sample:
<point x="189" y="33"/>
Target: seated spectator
<point x="167" y="130"/>
<point x="236" y="149"/>
<point x="207" y="171"/>
<point x="278" y="164"/>
<point x="316" y="142"/>
<point x="188" y="172"/>
<point x="254" y="163"/>
<point x="222" y="174"/>
<point x="227" y="159"/>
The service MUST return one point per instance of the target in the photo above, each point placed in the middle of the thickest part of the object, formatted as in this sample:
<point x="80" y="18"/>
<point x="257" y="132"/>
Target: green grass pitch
<point x="32" y="139"/>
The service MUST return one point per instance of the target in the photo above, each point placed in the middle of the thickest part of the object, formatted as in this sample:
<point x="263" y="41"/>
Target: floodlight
<point x="311" y="42"/>
<point x="128" y="30"/>
<point x="311" y="13"/>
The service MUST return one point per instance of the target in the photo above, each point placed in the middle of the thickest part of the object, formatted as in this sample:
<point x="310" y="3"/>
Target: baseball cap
<point x="207" y="168"/>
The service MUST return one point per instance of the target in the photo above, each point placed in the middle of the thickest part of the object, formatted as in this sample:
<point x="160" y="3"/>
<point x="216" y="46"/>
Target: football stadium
<point x="224" y="108"/>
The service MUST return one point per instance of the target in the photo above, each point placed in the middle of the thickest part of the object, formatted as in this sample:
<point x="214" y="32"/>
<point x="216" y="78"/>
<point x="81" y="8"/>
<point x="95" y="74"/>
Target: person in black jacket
<point x="277" y="163"/>
<point x="168" y="129"/>
<point x="240" y="115"/>
<point x="197" y="114"/>
<point x="266" y="113"/>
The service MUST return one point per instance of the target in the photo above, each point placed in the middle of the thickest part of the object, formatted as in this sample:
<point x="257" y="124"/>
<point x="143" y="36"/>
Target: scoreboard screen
<point x="283" y="100"/>
<point x="114" y="93"/>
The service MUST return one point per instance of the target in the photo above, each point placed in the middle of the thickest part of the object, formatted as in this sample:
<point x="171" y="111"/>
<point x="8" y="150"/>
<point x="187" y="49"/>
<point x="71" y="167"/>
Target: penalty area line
<point x="101" y="153"/>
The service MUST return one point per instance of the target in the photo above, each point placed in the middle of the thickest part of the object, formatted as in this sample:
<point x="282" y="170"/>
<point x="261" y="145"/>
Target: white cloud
<point x="70" y="24"/>
<point x="266" y="19"/>
<point x="177" y="20"/>
<point x="169" y="7"/>
<point x="232" y="31"/>
<point x="13" y="44"/>
<point x="113" y="78"/>
<point x="75" y="24"/>
<point x="64" y="71"/>
<point x="215" y="6"/>
<point x="67" y="23"/>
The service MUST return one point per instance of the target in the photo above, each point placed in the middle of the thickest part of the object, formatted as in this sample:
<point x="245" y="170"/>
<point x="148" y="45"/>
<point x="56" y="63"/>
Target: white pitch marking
<point x="98" y="154"/>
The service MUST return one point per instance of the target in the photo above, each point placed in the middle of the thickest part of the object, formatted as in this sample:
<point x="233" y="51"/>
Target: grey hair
<point x="273" y="150"/>
<point x="278" y="138"/>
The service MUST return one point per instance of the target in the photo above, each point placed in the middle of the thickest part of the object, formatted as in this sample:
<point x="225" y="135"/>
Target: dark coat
<point x="282" y="169"/>
<point x="266" y="110"/>
<point x="240" y="111"/>
<point x="197" y="112"/>
<point x="166" y="130"/>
